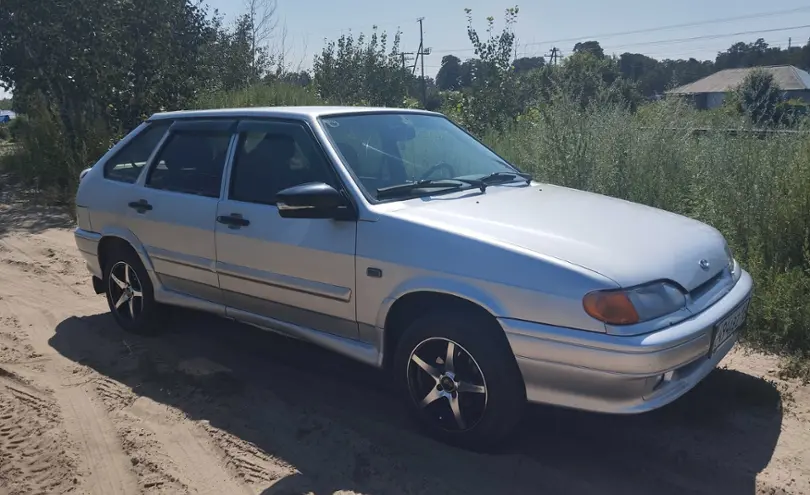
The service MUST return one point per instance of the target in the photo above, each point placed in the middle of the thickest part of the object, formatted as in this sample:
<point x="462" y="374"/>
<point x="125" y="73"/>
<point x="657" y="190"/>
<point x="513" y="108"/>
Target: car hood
<point x="627" y="242"/>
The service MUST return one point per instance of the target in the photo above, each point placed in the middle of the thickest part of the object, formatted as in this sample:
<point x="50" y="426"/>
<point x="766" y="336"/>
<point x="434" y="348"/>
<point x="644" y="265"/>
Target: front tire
<point x="460" y="379"/>
<point x="130" y="294"/>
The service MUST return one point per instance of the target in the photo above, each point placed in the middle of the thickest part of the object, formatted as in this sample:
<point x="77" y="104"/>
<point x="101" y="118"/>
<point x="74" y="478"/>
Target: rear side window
<point x="191" y="162"/>
<point x="126" y="165"/>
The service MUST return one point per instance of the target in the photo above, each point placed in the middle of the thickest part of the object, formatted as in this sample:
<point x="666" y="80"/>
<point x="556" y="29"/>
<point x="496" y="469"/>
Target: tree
<point x="592" y="47"/>
<point x="469" y="70"/>
<point x="86" y="71"/>
<point x="361" y="71"/>
<point x="449" y="76"/>
<point x="239" y="63"/>
<point x="758" y="96"/>
<point x="108" y="59"/>
<point x="300" y="78"/>
<point x="758" y="53"/>
<point x="525" y="64"/>
<point x="260" y="21"/>
<point x="587" y="77"/>
<point x="493" y="97"/>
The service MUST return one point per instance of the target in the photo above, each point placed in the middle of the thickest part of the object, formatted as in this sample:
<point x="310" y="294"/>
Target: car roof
<point x="295" y="112"/>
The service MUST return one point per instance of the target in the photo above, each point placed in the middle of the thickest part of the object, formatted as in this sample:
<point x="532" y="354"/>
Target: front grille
<point x="710" y="291"/>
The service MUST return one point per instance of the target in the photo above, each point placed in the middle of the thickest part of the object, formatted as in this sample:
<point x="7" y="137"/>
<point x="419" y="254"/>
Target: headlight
<point x="634" y="305"/>
<point x="732" y="264"/>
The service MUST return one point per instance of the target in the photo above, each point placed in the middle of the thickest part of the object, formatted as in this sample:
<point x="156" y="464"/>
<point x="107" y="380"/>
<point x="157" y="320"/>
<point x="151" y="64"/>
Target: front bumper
<point x="614" y="374"/>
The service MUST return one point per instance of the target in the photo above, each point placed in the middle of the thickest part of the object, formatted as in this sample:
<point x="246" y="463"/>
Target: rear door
<point x="173" y="213"/>
<point x="299" y="271"/>
<point x="121" y="172"/>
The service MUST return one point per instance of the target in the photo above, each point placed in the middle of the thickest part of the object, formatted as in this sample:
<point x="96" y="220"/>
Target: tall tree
<point x="525" y="64"/>
<point x="758" y="96"/>
<point x="449" y="75"/>
<point x="592" y="47"/>
<point x="493" y="100"/>
<point x="109" y="59"/>
<point x="361" y="71"/>
<point x="260" y="18"/>
<point x="240" y="66"/>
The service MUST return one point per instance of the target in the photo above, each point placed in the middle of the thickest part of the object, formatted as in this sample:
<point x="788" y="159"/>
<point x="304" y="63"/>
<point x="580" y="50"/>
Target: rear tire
<point x="477" y="401"/>
<point x="130" y="294"/>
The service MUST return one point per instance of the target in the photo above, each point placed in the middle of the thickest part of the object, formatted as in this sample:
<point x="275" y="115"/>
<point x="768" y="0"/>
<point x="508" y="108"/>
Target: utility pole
<point x="554" y="54"/>
<point x="405" y="56"/>
<point x="790" y="40"/>
<point x="422" y="56"/>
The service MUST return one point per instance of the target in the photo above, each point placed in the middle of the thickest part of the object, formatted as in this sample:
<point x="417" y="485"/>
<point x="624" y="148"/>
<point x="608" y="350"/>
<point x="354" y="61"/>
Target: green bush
<point x="52" y="151"/>
<point x="260" y="95"/>
<point x="756" y="190"/>
<point x="5" y="133"/>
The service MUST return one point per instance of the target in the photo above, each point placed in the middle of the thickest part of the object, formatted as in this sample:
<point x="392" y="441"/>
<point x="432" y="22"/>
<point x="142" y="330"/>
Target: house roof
<point x="788" y="77"/>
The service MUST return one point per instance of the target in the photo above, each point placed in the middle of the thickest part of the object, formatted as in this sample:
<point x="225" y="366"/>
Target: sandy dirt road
<point x="220" y="408"/>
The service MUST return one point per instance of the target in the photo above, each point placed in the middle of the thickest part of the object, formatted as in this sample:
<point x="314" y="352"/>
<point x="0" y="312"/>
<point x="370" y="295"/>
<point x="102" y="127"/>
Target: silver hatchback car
<point x="396" y="238"/>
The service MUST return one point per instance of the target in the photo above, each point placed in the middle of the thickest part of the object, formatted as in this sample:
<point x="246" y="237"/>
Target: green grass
<point x="756" y="191"/>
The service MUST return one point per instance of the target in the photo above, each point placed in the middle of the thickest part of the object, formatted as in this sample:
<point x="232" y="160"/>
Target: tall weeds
<point x="755" y="190"/>
<point x="49" y="151"/>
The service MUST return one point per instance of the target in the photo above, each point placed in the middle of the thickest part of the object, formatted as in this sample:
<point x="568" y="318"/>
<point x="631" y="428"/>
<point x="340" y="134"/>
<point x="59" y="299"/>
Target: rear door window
<point x="191" y="162"/>
<point x="127" y="164"/>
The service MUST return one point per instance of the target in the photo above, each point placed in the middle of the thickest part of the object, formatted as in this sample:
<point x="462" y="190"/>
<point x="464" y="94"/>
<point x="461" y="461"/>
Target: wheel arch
<point x="124" y="239"/>
<point x="399" y="311"/>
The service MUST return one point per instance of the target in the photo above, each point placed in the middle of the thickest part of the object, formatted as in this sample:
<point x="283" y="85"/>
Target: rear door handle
<point x="233" y="221"/>
<point x="141" y="205"/>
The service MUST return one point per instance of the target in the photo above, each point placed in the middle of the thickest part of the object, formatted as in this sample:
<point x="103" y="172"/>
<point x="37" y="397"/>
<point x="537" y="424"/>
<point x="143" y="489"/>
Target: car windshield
<point x="422" y="153"/>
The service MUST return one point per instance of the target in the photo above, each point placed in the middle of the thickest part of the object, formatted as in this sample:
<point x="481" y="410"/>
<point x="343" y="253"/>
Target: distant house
<point x="7" y="116"/>
<point x="709" y="92"/>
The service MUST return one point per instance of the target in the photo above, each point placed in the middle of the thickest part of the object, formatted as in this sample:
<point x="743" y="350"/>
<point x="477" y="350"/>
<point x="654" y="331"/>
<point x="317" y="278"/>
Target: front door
<point x="299" y="271"/>
<point x="174" y="212"/>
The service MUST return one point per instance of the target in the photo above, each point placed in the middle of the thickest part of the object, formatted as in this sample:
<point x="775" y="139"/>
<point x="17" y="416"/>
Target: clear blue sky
<point x="541" y="25"/>
<point x="541" y="22"/>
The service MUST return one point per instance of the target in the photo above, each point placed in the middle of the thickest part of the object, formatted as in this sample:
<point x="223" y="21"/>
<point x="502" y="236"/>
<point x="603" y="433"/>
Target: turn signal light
<point x="611" y="307"/>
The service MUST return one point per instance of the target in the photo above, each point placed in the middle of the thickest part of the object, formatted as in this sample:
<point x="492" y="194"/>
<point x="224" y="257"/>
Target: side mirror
<point x="313" y="200"/>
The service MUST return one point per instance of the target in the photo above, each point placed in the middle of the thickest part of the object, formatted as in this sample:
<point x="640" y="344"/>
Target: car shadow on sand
<point x="342" y="427"/>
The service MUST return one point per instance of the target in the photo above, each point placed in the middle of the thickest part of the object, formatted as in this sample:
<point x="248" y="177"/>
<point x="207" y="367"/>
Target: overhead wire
<point x="651" y="30"/>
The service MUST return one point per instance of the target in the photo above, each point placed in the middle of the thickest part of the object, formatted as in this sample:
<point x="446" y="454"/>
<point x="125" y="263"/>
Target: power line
<point x="677" y="26"/>
<point x="366" y="26"/>
<point x="711" y="36"/>
<point x="674" y="41"/>
<point x="651" y="30"/>
<point x="680" y="52"/>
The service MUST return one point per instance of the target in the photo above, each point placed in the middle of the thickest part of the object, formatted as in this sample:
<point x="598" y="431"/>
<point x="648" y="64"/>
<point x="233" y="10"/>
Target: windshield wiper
<point x="496" y="177"/>
<point x="421" y="184"/>
<point x="454" y="183"/>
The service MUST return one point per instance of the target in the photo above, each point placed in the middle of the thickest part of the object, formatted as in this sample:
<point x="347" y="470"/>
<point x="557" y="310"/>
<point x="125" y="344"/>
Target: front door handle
<point x="141" y="206"/>
<point x="233" y="221"/>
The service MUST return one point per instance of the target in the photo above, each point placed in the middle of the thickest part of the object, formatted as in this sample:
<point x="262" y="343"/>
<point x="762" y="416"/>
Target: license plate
<point x="728" y="326"/>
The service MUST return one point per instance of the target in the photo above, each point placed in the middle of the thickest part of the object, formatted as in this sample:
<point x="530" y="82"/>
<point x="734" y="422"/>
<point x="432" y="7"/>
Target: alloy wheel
<point x="126" y="291"/>
<point x="445" y="381"/>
